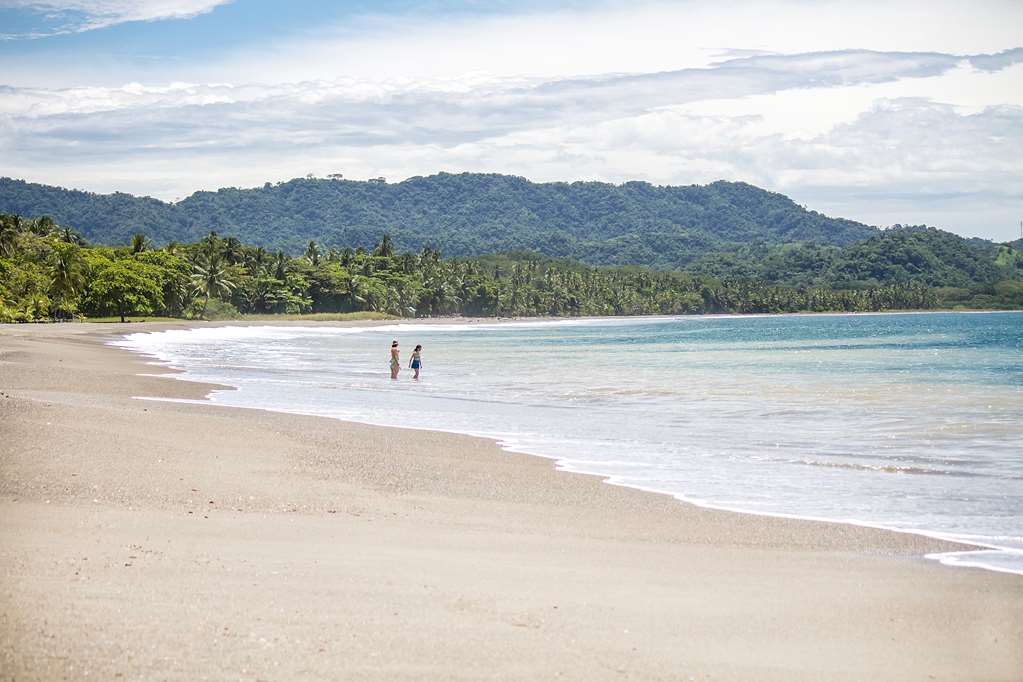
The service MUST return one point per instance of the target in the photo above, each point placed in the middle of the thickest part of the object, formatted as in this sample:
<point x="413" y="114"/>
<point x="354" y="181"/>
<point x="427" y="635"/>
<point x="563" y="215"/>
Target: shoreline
<point x="451" y="510"/>
<point x="958" y="545"/>
<point x="945" y="558"/>
<point x="287" y="320"/>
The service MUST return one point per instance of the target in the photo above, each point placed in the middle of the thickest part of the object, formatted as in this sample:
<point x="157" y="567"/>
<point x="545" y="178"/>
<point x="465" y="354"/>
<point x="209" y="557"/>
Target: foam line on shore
<point x="508" y="444"/>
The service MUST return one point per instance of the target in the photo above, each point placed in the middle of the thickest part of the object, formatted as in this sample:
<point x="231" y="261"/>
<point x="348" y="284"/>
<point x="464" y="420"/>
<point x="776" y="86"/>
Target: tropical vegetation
<point x="48" y="271"/>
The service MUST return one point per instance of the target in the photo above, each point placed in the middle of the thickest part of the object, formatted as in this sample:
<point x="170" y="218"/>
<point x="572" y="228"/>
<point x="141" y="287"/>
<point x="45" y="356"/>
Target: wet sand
<point x="158" y="540"/>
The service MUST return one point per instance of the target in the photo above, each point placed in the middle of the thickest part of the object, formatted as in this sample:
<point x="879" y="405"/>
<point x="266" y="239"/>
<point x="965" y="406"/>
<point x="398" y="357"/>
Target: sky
<point x="896" y="112"/>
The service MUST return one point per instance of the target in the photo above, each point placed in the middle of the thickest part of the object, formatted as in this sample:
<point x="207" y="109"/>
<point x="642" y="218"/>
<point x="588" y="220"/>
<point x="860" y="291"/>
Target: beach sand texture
<point x="173" y="541"/>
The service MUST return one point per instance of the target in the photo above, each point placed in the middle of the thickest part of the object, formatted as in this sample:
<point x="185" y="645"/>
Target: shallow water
<point x="902" y="421"/>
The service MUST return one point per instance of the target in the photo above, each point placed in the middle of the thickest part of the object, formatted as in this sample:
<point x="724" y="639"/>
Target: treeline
<point x="467" y="214"/>
<point x="50" y="272"/>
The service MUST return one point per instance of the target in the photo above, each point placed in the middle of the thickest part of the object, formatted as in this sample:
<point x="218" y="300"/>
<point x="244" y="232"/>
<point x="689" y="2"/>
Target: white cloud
<point x="664" y="127"/>
<point x="77" y="16"/>
<point x="617" y="37"/>
<point x="809" y="112"/>
<point x="683" y="93"/>
<point x="601" y="37"/>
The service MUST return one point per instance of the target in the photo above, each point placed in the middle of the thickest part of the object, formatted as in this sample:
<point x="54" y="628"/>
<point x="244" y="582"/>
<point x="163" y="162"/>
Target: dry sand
<point x="155" y="540"/>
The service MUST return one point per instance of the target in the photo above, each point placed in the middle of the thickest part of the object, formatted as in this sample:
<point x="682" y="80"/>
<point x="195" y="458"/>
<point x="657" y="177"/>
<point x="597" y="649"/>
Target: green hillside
<point x="900" y="255"/>
<point x="461" y="215"/>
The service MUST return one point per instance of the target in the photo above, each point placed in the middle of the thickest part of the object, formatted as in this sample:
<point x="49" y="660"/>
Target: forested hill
<point x="914" y="254"/>
<point x="465" y="214"/>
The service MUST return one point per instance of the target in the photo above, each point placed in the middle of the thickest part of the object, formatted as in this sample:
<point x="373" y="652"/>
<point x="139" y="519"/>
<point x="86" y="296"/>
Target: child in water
<point x="416" y="362"/>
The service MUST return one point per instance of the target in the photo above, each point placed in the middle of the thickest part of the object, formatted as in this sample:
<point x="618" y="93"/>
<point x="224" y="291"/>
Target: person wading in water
<point x="395" y="360"/>
<point x="416" y="361"/>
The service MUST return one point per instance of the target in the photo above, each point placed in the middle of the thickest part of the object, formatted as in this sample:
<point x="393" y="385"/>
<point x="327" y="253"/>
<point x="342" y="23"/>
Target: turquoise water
<point x="901" y="421"/>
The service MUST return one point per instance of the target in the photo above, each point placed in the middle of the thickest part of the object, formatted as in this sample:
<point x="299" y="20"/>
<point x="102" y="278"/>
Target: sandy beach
<point x="147" y="540"/>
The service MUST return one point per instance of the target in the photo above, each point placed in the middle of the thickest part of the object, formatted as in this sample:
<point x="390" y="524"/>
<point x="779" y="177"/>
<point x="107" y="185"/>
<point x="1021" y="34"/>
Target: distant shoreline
<point x="326" y="319"/>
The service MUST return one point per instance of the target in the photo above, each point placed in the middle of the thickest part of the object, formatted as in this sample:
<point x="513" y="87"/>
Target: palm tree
<point x="139" y="243"/>
<point x="210" y="247"/>
<point x="352" y="291"/>
<point x="232" y="250"/>
<point x="257" y="257"/>
<point x="67" y="272"/>
<point x="10" y="228"/>
<point x="440" y="296"/>
<point x="408" y="263"/>
<point x="312" y="253"/>
<point x="69" y="236"/>
<point x="211" y="278"/>
<point x="385" y="247"/>
<point x="43" y="226"/>
<point x="280" y="266"/>
<point x="179" y="293"/>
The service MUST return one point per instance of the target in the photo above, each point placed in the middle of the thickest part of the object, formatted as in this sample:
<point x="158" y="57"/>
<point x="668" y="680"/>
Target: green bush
<point x="218" y="309"/>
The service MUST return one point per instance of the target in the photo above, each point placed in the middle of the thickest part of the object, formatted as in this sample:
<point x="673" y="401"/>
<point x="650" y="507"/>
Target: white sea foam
<point x="855" y="419"/>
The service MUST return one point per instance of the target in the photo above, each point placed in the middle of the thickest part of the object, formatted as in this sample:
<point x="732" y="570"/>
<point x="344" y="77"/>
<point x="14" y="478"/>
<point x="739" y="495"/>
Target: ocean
<point x="903" y="421"/>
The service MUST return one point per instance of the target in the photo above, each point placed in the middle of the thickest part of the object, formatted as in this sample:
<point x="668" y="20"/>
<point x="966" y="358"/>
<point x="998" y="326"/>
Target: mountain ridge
<point x="461" y="214"/>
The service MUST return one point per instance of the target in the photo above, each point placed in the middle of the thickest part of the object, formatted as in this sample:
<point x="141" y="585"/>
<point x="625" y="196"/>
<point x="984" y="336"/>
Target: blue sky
<point x="175" y="33"/>
<point x="901" y="112"/>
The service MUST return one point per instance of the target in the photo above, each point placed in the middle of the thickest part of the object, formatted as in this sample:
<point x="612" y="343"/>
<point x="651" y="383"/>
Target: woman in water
<point x="416" y="362"/>
<point x="395" y="360"/>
